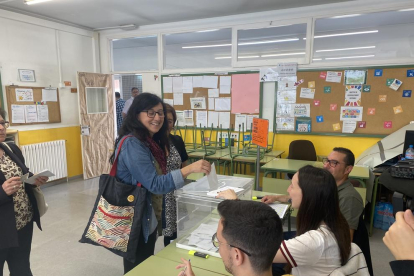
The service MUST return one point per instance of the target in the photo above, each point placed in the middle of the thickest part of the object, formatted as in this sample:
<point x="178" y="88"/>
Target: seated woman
<point x="323" y="241"/>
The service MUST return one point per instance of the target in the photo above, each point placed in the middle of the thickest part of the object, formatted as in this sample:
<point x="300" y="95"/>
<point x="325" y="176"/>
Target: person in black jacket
<point x="400" y="241"/>
<point x="18" y="207"/>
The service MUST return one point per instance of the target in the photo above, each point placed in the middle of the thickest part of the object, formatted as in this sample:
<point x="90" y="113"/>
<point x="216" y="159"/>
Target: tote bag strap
<point x="115" y="165"/>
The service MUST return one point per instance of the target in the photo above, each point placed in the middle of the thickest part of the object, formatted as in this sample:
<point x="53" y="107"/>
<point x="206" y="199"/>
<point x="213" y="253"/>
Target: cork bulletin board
<point x="199" y="92"/>
<point x="384" y="111"/>
<point x="52" y="106"/>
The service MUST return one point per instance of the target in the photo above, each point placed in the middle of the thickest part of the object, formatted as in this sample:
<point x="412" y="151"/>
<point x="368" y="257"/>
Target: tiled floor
<point x="56" y="250"/>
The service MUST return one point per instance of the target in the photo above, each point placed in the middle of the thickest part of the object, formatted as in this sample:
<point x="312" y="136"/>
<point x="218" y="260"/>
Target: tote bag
<point x="116" y="218"/>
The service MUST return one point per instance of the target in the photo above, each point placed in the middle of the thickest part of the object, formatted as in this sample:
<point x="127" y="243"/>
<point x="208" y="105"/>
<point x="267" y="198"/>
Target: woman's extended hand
<point x="227" y="194"/>
<point x="201" y="166"/>
<point x="12" y="185"/>
<point x="269" y="199"/>
<point x="41" y="180"/>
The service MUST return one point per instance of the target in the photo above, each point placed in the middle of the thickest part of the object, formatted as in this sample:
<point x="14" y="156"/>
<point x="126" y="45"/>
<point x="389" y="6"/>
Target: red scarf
<point x="158" y="154"/>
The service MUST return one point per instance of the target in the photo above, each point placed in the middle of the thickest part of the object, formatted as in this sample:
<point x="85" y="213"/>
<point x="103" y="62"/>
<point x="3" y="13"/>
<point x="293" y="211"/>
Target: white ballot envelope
<point x="32" y="180"/>
<point x="212" y="178"/>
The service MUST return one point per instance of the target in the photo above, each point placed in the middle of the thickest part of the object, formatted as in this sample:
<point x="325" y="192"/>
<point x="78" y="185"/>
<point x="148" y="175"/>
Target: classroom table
<point x="247" y="160"/>
<point x="212" y="264"/>
<point x="156" y="265"/>
<point x="275" y="153"/>
<point x="360" y="173"/>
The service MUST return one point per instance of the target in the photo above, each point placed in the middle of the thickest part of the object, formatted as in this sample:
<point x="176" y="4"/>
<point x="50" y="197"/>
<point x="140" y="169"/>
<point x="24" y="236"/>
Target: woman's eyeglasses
<point x="151" y="113"/>
<point x="5" y="124"/>
<point x="216" y="244"/>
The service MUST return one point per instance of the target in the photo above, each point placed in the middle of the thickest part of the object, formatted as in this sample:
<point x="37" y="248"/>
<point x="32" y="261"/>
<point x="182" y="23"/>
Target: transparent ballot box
<point x="197" y="216"/>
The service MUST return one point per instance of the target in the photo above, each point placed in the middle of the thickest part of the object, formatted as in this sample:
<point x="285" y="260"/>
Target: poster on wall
<point x="301" y="110"/>
<point x="24" y="95"/>
<point x="287" y="123"/>
<point x="353" y="95"/>
<point x="349" y="113"/>
<point x="198" y="103"/>
<point x="355" y="76"/>
<point x="27" y="75"/>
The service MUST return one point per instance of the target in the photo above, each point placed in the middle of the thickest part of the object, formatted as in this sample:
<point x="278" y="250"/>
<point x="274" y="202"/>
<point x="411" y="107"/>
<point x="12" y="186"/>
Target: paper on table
<point x="167" y="84"/>
<point x="210" y="81"/>
<point x="225" y="84"/>
<point x="216" y="192"/>
<point x="224" y="119"/>
<point x="49" y="95"/>
<point x="32" y="180"/>
<point x="31" y="113"/>
<point x="280" y="209"/>
<point x="240" y="122"/>
<point x="213" y="93"/>
<point x="222" y="104"/>
<point x="177" y="84"/>
<point x="201" y="118"/>
<point x="178" y="98"/>
<point x="18" y="114"/>
<point x="213" y="119"/>
<point x="198" y="81"/>
<point x="211" y="103"/>
<point x="212" y="178"/>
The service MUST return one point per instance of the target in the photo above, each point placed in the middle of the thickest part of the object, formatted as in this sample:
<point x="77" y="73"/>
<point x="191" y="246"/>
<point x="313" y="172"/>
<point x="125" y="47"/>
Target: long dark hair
<point x="320" y="203"/>
<point x="131" y="124"/>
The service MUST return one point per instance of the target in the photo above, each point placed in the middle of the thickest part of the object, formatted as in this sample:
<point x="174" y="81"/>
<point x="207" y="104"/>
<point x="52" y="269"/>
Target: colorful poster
<point x="284" y="110"/>
<point x="319" y="119"/>
<point x="353" y="95"/>
<point x="286" y="96"/>
<point x="371" y="111"/>
<point x="332" y="76"/>
<point x="287" y="123"/>
<point x="24" y="95"/>
<point x="407" y="93"/>
<point x="355" y="77"/>
<point x="268" y="74"/>
<point x="303" y="124"/>
<point x="307" y="93"/>
<point x="397" y="109"/>
<point x="286" y="83"/>
<point x="333" y="107"/>
<point x="395" y="84"/>
<point x="245" y="92"/>
<point x="301" y="110"/>
<point x="351" y="113"/>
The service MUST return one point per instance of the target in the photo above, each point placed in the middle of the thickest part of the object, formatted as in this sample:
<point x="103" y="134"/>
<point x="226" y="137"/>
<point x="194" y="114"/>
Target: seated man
<point x="340" y="163"/>
<point x="248" y="236"/>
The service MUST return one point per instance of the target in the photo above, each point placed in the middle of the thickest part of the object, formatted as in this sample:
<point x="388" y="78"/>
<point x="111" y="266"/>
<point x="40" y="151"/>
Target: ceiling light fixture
<point x="268" y="41"/>
<point x="316" y="59"/>
<point x="237" y="57"/>
<point x="206" y="31"/>
<point x="287" y="54"/>
<point x="344" y="34"/>
<point x="345" y="49"/>
<point x="352" y="57"/>
<point x="127" y="27"/>
<point x="32" y="2"/>
<point x="345" y="16"/>
<point x="411" y="9"/>
<point x="206" y="46"/>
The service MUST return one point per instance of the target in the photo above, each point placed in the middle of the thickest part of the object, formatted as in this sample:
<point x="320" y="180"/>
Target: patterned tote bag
<point x="116" y="219"/>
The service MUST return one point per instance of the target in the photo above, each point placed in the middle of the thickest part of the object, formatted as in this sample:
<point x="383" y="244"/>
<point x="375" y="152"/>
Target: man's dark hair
<point x="117" y="95"/>
<point x="254" y="227"/>
<point x="133" y="88"/>
<point x="349" y="156"/>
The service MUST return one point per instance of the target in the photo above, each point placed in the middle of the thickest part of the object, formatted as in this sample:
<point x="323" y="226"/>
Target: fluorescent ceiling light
<point x="315" y="59"/>
<point x="237" y="57"/>
<point x="412" y="9"/>
<point x="213" y="30"/>
<point x="32" y="2"/>
<point x="222" y="57"/>
<point x="206" y="46"/>
<point x="268" y="41"/>
<point x="344" y="34"/>
<point x="345" y="49"/>
<point x="287" y="54"/>
<point x="346" y="15"/>
<point x="352" y="57"/>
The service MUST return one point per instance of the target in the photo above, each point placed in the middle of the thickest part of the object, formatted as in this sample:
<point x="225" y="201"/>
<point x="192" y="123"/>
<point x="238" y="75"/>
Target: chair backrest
<point x="302" y="150"/>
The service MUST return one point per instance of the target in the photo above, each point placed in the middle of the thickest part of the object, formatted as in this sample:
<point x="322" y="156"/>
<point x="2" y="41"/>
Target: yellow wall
<point x="73" y="144"/>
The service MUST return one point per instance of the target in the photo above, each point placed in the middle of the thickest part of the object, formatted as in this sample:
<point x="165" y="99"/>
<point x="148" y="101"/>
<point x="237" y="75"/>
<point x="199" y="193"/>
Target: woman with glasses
<point x="176" y="159"/>
<point x="143" y="159"/>
<point x="18" y="207"/>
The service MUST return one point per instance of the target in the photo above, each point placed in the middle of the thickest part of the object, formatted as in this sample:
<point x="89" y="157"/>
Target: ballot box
<point x="197" y="216"/>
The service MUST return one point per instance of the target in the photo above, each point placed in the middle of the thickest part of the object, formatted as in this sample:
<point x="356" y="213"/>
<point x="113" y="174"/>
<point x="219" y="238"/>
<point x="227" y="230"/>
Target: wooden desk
<point x="275" y="153"/>
<point x="156" y="265"/>
<point x="292" y="166"/>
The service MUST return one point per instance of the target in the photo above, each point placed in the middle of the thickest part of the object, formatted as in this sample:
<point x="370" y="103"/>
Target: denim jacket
<point x="137" y="164"/>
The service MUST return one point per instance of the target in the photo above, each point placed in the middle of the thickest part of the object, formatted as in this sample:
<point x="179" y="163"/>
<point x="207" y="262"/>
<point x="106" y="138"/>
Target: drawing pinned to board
<point x="303" y="124"/>
<point x="410" y="73"/>
<point x="24" y="95"/>
<point x="299" y="82"/>
<point x="378" y="73"/>
<point x="311" y="84"/>
<point x="382" y="98"/>
<point x="355" y="77"/>
<point x="319" y="119"/>
<point x="286" y="96"/>
<point x="397" y="109"/>
<point x="286" y="83"/>
<point x="301" y="110"/>
<point x="332" y="76"/>
<point x="395" y="84"/>
<point x="317" y="102"/>
<point x="284" y="110"/>
<point x="287" y="123"/>
<point x="353" y="95"/>
<point x="371" y="111"/>
<point x="389" y="81"/>
<point x="333" y="107"/>
<point x="348" y="126"/>
<point x="366" y="88"/>
<point x="407" y="93"/>
<point x="327" y="89"/>
<point x="322" y="75"/>
<point x="268" y="74"/>
<point x="198" y="103"/>
<point x="362" y="124"/>
<point x="351" y="113"/>
<point x="388" y="124"/>
<point x="336" y="127"/>
<point x="307" y="93"/>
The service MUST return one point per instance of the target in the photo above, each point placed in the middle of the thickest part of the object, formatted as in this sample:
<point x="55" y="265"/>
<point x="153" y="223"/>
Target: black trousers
<point x="18" y="258"/>
<point x="168" y="240"/>
<point x="144" y="251"/>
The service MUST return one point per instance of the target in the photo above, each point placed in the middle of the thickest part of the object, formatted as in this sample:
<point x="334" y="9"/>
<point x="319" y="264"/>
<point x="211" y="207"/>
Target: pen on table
<point x="256" y="197"/>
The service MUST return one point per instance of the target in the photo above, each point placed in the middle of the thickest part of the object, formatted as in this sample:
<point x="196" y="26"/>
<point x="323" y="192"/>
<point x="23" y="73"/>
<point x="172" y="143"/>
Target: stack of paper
<point x="201" y="237"/>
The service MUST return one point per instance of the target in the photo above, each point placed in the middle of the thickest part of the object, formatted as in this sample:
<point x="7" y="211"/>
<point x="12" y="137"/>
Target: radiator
<point x="47" y="156"/>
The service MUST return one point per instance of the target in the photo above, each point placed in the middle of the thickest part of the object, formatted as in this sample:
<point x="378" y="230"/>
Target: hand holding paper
<point x="40" y="178"/>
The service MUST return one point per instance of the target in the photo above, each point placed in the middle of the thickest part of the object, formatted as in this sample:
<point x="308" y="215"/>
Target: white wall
<point x="55" y="51"/>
